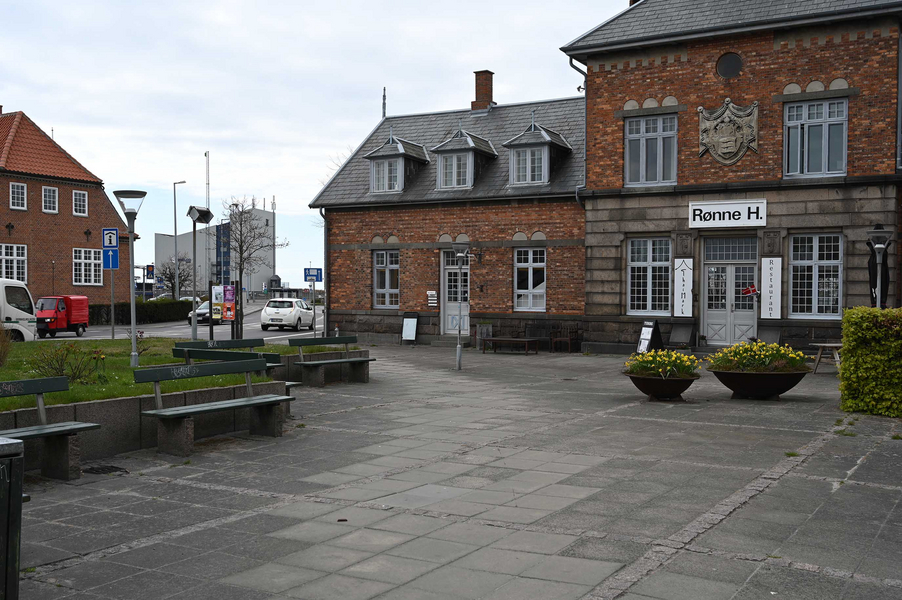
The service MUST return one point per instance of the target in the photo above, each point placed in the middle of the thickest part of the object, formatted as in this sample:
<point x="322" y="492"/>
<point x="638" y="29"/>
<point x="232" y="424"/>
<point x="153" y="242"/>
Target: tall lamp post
<point x="879" y="238"/>
<point x="198" y="214"/>
<point x="175" y="238"/>
<point x="131" y="201"/>
<point x="460" y="251"/>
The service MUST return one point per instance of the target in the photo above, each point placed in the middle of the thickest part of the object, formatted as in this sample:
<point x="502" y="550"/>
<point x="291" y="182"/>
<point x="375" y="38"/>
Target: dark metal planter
<point x="759" y="386"/>
<point x="658" y="388"/>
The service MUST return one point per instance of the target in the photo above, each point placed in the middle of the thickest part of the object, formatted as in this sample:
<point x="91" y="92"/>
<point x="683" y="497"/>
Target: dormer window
<point x="385" y="175"/>
<point x="394" y="162"/>
<point x="461" y="158"/>
<point x="534" y="154"/>
<point x="529" y="166"/>
<point x="455" y="170"/>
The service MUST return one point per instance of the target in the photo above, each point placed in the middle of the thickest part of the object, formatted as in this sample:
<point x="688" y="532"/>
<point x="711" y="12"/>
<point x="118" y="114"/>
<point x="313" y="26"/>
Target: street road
<point x="181" y="329"/>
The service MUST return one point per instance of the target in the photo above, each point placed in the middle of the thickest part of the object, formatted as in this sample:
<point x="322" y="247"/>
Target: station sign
<point x="728" y="213"/>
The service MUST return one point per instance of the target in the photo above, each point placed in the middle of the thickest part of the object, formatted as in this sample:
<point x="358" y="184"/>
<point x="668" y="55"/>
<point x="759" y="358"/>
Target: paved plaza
<point x="519" y="478"/>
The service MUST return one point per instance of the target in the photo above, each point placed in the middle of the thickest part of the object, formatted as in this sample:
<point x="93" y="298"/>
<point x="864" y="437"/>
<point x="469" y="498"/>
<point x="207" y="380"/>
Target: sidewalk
<point x="520" y="477"/>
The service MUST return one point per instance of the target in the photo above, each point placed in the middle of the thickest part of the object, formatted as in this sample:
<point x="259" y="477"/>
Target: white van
<point x="17" y="310"/>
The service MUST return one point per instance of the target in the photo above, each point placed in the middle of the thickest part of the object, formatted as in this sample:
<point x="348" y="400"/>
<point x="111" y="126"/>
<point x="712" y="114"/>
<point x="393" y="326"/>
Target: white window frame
<point x="377" y="169"/>
<point x="24" y="186"/>
<point x="56" y="200"/>
<point x="455" y="171"/>
<point x="532" y="293"/>
<point x="74" y="211"/>
<point x="657" y="137"/>
<point x="792" y="120"/>
<point x="649" y="265"/>
<point x="517" y="154"/>
<point x="95" y="258"/>
<point x="13" y="256"/>
<point x="386" y="264"/>
<point x="816" y="264"/>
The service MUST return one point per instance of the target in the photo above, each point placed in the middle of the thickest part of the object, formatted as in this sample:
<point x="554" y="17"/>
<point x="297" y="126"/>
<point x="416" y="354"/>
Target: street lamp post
<point x="175" y="238"/>
<point x="198" y="214"/>
<point x="879" y="238"/>
<point x="460" y="251"/>
<point x="131" y="201"/>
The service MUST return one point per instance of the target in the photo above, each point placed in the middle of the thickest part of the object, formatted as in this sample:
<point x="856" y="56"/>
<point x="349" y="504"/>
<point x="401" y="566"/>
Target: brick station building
<point x="501" y="177"/>
<point x="52" y="211"/>
<point x="738" y="145"/>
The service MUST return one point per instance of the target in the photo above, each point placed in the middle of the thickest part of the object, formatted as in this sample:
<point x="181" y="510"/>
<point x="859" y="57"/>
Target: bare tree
<point x="335" y="162"/>
<point x="166" y="271"/>
<point x="251" y="244"/>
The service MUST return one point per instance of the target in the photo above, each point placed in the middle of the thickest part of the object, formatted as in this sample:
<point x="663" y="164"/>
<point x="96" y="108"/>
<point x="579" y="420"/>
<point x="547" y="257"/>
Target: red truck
<point x="62" y="313"/>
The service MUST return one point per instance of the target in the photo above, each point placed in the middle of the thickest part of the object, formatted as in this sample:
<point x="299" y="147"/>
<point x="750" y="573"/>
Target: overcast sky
<point x="138" y="91"/>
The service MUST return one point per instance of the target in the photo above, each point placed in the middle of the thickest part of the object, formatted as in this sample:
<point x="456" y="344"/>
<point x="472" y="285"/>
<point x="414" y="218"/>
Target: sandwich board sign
<point x="650" y="337"/>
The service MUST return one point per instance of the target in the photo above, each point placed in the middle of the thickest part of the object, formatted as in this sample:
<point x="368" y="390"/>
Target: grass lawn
<point x="119" y="379"/>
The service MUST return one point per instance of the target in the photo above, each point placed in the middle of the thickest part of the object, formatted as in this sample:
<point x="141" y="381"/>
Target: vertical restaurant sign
<point x="771" y="287"/>
<point x="682" y="288"/>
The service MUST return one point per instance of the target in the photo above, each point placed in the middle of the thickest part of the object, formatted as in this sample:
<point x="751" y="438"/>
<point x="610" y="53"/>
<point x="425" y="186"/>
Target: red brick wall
<point x="51" y="237"/>
<point x="351" y="271"/>
<point x="872" y="115"/>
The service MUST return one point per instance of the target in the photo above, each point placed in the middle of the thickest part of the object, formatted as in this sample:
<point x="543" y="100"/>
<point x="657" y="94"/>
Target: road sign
<point x="311" y="275"/>
<point x="110" y="238"/>
<point x="149" y="271"/>
<point x="160" y="283"/>
<point x="111" y="259"/>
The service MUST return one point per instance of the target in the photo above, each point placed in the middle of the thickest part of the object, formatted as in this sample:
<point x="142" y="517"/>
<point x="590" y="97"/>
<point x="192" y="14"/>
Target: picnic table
<point x="834" y="347"/>
<point x="512" y="341"/>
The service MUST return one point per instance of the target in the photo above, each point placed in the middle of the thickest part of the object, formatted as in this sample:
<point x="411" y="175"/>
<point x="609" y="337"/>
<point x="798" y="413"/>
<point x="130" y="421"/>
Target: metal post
<point x="879" y="251"/>
<point x="210" y="305"/>
<point x="460" y="302"/>
<point x="313" y="283"/>
<point x="194" y="280"/>
<point x="131" y="259"/>
<point x="112" y="305"/>
<point x="175" y="238"/>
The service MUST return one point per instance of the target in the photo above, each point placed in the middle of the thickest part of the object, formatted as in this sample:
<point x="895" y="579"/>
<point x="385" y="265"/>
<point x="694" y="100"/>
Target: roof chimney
<point x="634" y="2"/>
<point x="483" y="91"/>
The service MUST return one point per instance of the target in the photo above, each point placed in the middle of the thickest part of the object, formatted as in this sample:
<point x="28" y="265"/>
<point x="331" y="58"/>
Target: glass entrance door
<point x="730" y="267"/>
<point x="455" y="294"/>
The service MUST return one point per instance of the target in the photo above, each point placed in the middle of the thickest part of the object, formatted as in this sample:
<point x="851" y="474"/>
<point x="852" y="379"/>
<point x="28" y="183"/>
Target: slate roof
<point x="350" y="186"/>
<point x="536" y="134"/>
<point x="395" y="146"/>
<point x="464" y="140"/>
<point x="25" y="148"/>
<point x="662" y="20"/>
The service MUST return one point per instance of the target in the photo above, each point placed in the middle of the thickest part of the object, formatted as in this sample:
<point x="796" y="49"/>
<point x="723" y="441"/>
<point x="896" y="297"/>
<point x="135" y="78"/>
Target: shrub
<point x="758" y="357"/>
<point x="666" y="364"/>
<point x="6" y="345"/>
<point x="70" y="360"/>
<point x="158" y="311"/>
<point x="870" y="376"/>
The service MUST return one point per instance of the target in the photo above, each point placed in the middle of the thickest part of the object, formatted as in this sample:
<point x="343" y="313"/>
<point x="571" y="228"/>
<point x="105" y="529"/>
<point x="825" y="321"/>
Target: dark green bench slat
<point x="344" y="339"/>
<point x="318" y="363"/>
<point x="25" y="387"/>
<point x="223" y="344"/>
<point x="202" y="370"/>
<point x="293" y="384"/>
<point x="272" y="358"/>
<point x="179" y="412"/>
<point x="41" y="431"/>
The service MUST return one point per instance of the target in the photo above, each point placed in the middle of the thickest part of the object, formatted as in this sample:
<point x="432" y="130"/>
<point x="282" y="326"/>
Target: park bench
<point x="60" y="459"/>
<point x="568" y="334"/>
<point x="542" y="332"/>
<point x="511" y="341"/>
<point x="223" y="344"/>
<point x="313" y="373"/>
<point x="175" y="426"/>
<point x="191" y="354"/>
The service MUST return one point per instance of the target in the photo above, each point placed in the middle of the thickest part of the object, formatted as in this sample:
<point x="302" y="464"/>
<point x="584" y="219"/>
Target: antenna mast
<point x="383" y="103"/>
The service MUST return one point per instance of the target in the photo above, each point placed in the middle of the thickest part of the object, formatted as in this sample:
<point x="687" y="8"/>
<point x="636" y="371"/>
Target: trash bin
<point x="12" y="466"/>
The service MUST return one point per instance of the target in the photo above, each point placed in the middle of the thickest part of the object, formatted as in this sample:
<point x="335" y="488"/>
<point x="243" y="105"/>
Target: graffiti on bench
<point x="185" y="371"/>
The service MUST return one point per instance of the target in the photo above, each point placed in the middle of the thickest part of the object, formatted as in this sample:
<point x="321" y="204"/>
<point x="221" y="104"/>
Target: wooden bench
<point x="60" y="459"/>
<point x="191" y="354"/>
<point x="175" y="426"/>
<point x="541" y="332"/>
<point x="835" y="347"/>
<point x="568" y="334"/>
<point x="313" y="373"/>
<point x="512" y="341"/>
<point x="223" y="344"/>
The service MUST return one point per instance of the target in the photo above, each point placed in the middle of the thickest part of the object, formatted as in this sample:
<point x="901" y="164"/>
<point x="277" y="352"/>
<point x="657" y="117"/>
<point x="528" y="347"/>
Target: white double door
<point x="730" y="316"/>
<point x="455" y="294"/>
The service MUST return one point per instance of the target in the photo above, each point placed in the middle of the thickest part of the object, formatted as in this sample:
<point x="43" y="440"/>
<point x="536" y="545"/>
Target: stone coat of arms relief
<point x="728" y="131"/>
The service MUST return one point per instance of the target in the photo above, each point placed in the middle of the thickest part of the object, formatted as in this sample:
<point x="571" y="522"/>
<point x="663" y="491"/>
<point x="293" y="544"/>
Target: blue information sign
<point x="111" y="259"/>
<point x="110" y="238"/>
<point x="311" y="275"/>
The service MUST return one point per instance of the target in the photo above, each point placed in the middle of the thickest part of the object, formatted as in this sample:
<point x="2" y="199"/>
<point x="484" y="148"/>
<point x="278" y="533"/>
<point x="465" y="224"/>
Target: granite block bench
<point x="313" y="372"/>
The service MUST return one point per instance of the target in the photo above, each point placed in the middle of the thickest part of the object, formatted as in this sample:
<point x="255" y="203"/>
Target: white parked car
<point x="286" y="312"/>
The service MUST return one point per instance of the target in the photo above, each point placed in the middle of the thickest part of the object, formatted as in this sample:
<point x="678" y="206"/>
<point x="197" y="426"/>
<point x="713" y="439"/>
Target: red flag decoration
<point x="750" y="291"/>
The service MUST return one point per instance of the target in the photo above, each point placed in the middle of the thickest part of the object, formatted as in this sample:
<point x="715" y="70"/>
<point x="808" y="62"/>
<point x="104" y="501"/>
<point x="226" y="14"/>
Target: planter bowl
<point x="658" y="388"/>
<point x="759" y="386"/>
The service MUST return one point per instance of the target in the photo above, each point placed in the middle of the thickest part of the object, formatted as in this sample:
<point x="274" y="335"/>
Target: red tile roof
<point x="25" y="148"/>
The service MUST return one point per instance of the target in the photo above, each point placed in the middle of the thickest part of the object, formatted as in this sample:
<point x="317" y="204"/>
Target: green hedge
<point x="158" y="311"/>
<point x="871" y="371"/>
